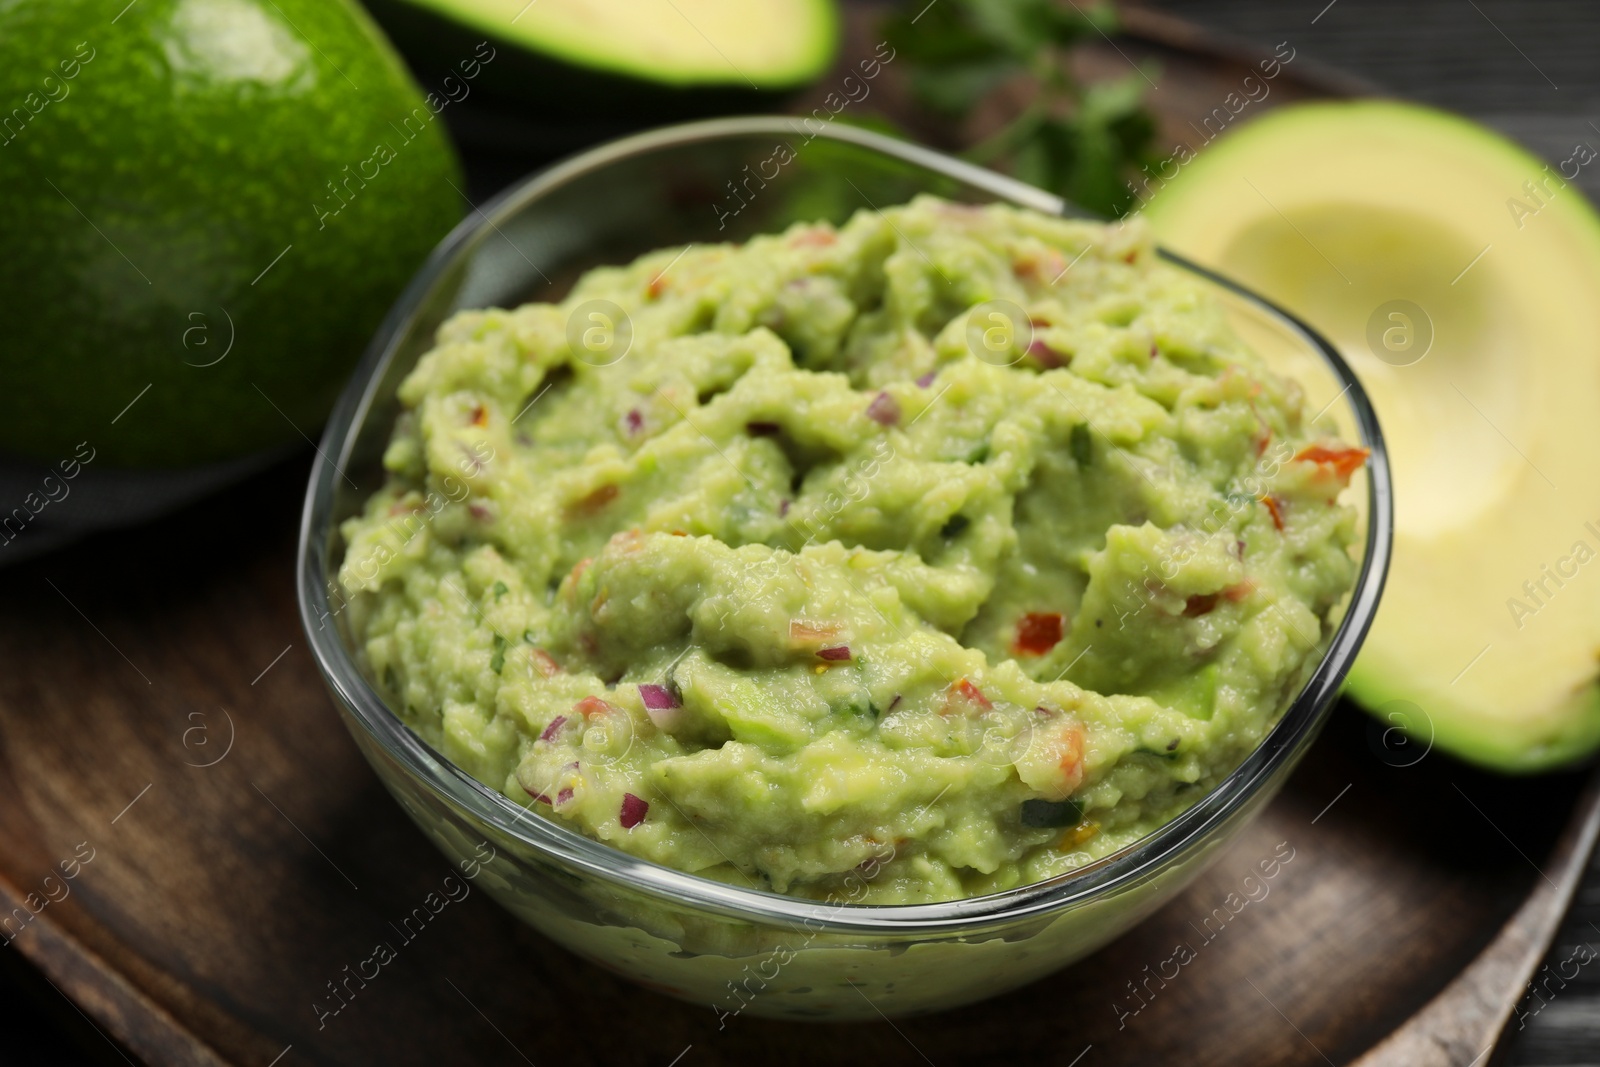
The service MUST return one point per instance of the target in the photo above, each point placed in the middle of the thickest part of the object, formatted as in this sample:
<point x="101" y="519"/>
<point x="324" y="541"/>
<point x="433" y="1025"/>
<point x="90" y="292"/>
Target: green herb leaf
<point x="1086" y="143"/>
<point x="1051" y="813"/>
<point x="1082" y="444"/>
<point x="498" y="659"/>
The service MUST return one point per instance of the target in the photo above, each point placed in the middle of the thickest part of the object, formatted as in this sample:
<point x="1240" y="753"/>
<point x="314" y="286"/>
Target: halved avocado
<point x="766" y="45"/>
<point x="1459" y="275"/>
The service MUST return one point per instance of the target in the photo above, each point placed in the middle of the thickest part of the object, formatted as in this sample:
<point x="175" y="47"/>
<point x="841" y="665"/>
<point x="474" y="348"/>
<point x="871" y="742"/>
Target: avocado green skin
<point x="146" y="204"/>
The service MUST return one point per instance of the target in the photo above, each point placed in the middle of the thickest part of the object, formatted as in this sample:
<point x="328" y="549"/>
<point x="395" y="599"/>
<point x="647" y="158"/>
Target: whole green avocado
<point x="206" y="207"/>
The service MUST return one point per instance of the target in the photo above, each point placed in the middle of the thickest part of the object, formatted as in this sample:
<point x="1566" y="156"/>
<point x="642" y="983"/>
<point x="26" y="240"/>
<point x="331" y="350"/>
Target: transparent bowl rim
<point x="1141" y="861"/>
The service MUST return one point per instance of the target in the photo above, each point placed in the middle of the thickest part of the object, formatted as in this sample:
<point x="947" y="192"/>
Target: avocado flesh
<point x="1486" y="639"/>
<point x="773" y="44"/>
<point x="201" y="231"/>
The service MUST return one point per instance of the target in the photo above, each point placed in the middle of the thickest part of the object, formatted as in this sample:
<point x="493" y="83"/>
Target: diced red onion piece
<point x="635" y="421"/>
<point x="658" y="697"/>
<point x="664" y="709"/>
<point x="836" y="652"/>
<point x="549" y="732"/>
<point x="1048" y="357"/>
<point x="884" y="410"/>
<point x="927" y="379"/>
<point x="633" y="811"/>
<point x="564" y="796"/>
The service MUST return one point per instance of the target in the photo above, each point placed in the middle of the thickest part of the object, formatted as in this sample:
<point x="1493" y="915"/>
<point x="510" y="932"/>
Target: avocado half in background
<point x="621" y="63"/>
<point x="1458" y="274"/>
<point x="208" y="206"/>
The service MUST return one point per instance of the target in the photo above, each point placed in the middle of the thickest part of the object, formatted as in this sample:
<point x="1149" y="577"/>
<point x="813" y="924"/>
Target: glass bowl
<point x="741" y="950"/>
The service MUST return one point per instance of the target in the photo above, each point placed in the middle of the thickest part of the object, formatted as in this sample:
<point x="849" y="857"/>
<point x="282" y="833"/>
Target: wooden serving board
<point x="167" y="742"/>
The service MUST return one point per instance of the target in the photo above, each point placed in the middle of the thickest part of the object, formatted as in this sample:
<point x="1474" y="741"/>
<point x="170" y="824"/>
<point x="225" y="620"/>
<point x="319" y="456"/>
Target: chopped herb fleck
<point x="498" y="660"/>
<point x="1051" y="813"/>
<point x="500" y="590"/>
<point x="1081" y="444"/>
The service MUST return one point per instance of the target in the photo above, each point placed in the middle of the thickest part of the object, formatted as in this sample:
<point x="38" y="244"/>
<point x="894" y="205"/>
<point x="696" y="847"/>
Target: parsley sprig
<point x="1083" y="142"/>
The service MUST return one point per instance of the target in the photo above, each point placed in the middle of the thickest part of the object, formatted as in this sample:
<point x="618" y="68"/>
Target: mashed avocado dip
<point x="961" y="545"/>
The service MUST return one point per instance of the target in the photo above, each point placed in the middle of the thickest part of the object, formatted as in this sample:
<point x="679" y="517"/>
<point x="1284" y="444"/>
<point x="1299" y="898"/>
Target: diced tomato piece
<point x="1067" y="749"/>
<point x="813" y="238"/>
<point x="1045" y="266"/>
<point x="810" y="633"/>
<point x="1275" y="506"/>
<point x="593" y="707"/>
<point x="1077" y="835"/>
<point x="1199" y="604"/>
<point x="594" y="502"/>
<point x="1342" y="462"/>
<point x="480" y="416"/>
<point x="545" y="663"/>
<point x="970" y="693"/>
<point x="1239" y="590"/>
<point x="1263" y="436"/>
<point x="1037" y="633"/>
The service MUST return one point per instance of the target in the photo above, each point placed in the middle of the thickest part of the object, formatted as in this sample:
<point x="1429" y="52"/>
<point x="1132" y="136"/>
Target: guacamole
<point x="957" y="545"/>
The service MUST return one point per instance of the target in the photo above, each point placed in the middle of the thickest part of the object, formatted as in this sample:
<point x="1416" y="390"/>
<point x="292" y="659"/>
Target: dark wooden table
<point x="1528" y="68"/>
